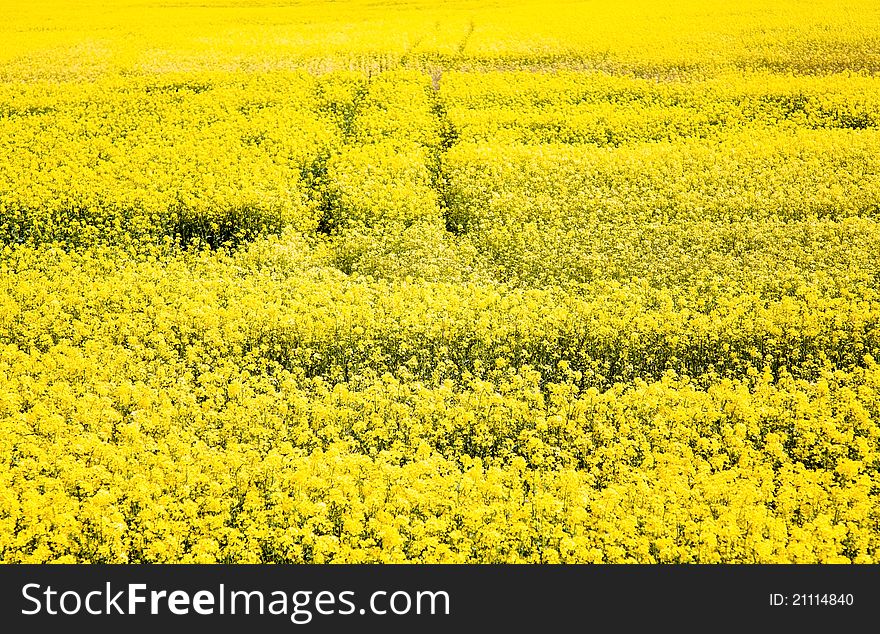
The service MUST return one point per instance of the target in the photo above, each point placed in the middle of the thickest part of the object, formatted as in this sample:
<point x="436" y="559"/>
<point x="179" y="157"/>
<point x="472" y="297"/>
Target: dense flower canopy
<point x="529" y="282"/>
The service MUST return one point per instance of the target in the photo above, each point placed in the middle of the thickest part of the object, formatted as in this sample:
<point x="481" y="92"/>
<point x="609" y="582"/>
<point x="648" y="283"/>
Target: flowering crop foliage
<point x="547" y="282"/>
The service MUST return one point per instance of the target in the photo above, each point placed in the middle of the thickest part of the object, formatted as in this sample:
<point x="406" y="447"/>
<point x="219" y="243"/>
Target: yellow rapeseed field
<point x="423" y="281"/>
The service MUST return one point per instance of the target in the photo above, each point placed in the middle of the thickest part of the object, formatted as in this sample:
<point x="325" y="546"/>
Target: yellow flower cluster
<point x="212" y="408"/>
<point x="217" y="157"/>
<point x="739" y="205"/>
<point x="603" y="109"/>
<point x="60" y="40"/>
<point x="535" y="282"/>
<point x="379" y="185"/>
<point x="797" y="176"/>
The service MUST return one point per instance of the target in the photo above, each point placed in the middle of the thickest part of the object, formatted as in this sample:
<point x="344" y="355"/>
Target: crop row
<point x="597" y="108"/>
<point x="224" y="157"/>
<point x="313" y="321"/>
<point x="111" y="455"/>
